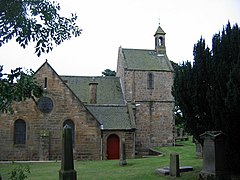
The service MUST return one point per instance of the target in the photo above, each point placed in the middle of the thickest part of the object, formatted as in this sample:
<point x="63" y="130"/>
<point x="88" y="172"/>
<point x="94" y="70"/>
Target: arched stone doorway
<point x="113" y="147"/>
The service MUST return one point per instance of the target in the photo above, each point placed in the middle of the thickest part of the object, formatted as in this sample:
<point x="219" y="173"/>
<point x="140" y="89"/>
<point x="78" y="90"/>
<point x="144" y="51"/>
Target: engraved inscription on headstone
<point x="45" y="104"/>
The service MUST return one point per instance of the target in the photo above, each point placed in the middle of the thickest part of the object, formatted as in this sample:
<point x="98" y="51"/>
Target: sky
<point x="108" y="24"/>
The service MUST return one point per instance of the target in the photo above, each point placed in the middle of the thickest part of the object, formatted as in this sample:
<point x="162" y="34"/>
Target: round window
<point x="45" y="104"/>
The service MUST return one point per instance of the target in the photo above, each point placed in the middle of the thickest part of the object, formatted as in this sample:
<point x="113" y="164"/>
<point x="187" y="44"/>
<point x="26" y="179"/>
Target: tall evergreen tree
<point x="208" y="91"/>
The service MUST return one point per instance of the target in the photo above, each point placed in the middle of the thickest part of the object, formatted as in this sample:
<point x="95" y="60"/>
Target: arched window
<point x="150" y="81"/>
<point x="19" y="132"/>
<point x="161" y="41"/>
<point x="70" y="123"/>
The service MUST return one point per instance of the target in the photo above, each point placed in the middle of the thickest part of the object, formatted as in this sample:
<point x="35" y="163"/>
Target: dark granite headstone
<point x="67" y="171"/>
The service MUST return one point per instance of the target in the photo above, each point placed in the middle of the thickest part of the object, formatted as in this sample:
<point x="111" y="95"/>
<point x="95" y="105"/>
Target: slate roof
<point x="108" y="89"/>
<point x="141" y="59"/>
<point x="113" y="117"/>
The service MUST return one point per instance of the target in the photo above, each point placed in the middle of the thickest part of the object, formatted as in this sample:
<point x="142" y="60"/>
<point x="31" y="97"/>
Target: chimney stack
<point x="93" y="92"/>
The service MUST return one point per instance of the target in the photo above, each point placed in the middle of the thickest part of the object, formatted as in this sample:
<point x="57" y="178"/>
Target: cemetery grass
<point x="141" y="168"/>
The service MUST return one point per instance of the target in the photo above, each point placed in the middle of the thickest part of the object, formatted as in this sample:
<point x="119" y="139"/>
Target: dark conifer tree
<point x="208" y="92"/>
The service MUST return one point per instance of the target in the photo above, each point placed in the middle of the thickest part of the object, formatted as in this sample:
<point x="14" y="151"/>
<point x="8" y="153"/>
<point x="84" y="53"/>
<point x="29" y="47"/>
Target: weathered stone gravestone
<point x="122" y="161"/>
<point x="67" y="171"/>
<point x="181" y="132"/>
<point x="174" y="165"/>
<point x="174" y="169"/>
<point x="198" y="149"/>
<point x="214" y="160"/>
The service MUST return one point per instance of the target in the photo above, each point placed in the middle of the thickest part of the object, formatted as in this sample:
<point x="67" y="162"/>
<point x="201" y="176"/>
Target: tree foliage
<point x="17" y="86"/>
<point x="37" y="21"/>
<point x="28" y="21"/>
<point x="208" y="90"/>
<point x="108" y="72"/>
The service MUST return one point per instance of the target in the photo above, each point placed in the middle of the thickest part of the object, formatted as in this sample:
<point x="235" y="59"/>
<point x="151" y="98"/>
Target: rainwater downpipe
<point x="101" y="129"/>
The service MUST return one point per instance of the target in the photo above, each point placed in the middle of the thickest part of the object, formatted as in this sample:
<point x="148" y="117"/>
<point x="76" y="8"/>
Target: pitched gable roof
<point x="112" y="117"/>
<point x="54" y="72"/>
<point x="141" y="59"/>
<point x="111" y="111"/>
<point x="108" y="89"/>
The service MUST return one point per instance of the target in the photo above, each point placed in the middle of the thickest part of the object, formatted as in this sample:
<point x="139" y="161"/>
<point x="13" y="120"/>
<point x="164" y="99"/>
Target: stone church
<point x="135" y="106"/>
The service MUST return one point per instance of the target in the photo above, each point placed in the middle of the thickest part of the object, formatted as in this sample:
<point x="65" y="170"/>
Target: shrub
<point x="19" y="173"/>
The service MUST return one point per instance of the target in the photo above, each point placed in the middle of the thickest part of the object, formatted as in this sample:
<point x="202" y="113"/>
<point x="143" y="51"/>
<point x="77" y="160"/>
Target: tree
<point x="28" y="21"/>
<point x="108" y="72"/>
<point x="180" y="122"/>
<point x="208" y="90"/>
<point x="37" y="21"/>
<point x="17" y="86"/>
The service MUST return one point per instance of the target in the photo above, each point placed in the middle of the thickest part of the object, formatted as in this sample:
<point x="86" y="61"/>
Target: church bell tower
<point x="160" y="41"/>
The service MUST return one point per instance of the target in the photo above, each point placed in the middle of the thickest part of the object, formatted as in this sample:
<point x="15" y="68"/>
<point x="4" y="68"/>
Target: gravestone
<point x="198" y="149"/>
<point x="214" y="160"/>
<point x="174" y="169"/>
<point x="174" y="165"/>
<point x="122" y="161"/>
<point x="175" y="132"/>
<point x="67" y="171"/>
<point x="181" y="132"/>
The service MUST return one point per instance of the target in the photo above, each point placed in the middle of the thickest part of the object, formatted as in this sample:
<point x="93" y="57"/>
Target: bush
<point x="20" y="172"/>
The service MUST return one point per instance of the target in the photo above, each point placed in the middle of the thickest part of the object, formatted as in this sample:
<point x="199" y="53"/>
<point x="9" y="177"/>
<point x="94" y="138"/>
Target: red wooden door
<point x="113" y="147"/>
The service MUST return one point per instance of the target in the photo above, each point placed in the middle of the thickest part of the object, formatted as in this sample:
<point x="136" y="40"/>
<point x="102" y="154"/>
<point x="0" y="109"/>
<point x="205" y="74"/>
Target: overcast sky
<point x="109" y="24"/>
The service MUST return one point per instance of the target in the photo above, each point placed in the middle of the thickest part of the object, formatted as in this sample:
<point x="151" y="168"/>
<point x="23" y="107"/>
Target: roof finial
<point x="158" y="21"/>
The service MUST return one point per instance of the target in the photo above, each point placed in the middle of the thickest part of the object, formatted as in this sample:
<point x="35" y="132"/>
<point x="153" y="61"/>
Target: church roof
<point x="141" y="59"/>
<point x="111" y="110"/>
<point x="159" y="31"/>
<point x="112" y="117"/>
<point x="108" y="89"/>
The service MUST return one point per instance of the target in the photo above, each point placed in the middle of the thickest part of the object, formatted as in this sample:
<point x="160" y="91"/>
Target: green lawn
<point x="136" y="169"/>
